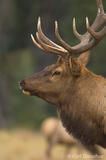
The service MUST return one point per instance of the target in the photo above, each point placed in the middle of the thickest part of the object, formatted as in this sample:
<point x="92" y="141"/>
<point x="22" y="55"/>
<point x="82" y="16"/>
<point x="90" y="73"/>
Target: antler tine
<point x="44" y="38"/>
<point x="96" y="35"/>
<point x="90" y="30"/>
<point x="100" y="7"/>
<point x="50" y="49"/>
<point x="101" y="16"/>
<point x="35" y="42"/>
<point x="79" y="36"/>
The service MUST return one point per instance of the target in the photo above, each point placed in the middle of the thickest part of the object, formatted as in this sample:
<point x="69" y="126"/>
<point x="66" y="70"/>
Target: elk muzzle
<point x="26" y="87"/>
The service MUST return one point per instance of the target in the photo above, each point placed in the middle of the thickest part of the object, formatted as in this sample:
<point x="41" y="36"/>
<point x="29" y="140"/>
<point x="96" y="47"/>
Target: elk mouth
<point x="29" y="92"/>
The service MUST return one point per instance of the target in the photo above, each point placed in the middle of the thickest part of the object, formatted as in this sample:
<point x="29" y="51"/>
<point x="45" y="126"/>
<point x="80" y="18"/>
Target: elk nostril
<point x="22" y="84"/>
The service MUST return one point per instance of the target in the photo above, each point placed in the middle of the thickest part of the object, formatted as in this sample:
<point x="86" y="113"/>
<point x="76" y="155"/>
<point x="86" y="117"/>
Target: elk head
<point x="56" y="80"/>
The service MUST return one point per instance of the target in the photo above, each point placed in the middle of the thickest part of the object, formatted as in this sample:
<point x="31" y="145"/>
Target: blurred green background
<point x="19" y="58"/>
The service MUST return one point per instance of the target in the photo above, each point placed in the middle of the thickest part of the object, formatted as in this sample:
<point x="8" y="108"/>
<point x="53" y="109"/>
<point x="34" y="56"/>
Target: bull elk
<point x="79" y="94"/>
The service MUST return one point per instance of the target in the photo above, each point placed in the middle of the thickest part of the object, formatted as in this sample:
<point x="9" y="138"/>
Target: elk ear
<point x="84" y="58"/>
<point x="60" y="60"/>
<point x="75" y="66"/>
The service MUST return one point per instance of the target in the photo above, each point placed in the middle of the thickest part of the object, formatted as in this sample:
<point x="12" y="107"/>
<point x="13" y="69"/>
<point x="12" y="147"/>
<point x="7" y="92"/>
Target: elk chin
<point x="30" y="92"/>
<point x="26" y="93"/>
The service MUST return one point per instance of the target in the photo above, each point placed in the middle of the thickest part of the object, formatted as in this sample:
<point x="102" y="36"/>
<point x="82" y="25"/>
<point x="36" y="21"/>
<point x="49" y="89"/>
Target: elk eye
<point x="56" y="73"/>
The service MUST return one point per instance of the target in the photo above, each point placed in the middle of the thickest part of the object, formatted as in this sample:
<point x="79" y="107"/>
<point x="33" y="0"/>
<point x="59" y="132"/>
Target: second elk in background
<point x="54" y="132"/>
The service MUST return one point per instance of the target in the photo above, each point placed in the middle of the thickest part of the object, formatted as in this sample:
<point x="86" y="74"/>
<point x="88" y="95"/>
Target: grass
<point x="21" y="144"/>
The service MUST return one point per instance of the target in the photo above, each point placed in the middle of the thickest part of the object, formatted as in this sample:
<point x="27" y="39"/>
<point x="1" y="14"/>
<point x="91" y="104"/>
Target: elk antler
<point x="46" y="44"/>
<point x="86" y="42"/>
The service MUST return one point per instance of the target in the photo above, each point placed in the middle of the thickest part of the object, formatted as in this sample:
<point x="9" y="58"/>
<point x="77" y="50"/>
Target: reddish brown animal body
<point x="80" y="95"/>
